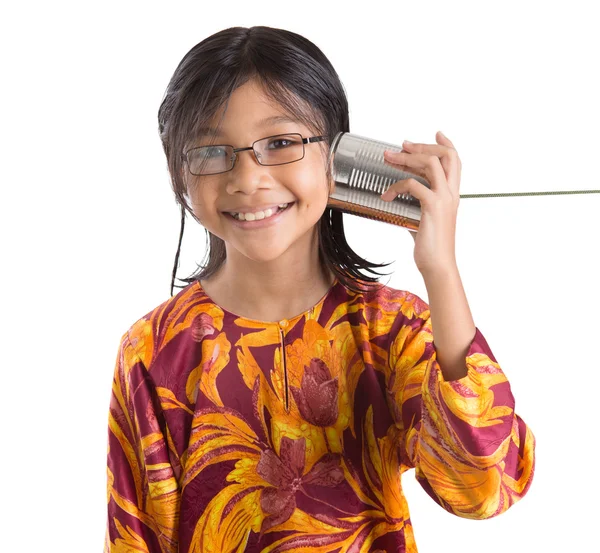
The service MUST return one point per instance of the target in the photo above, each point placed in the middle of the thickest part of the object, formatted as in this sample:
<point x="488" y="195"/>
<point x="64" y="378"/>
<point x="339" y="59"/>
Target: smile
<point x="259" y="219"/>
<point x="258" y="215"/>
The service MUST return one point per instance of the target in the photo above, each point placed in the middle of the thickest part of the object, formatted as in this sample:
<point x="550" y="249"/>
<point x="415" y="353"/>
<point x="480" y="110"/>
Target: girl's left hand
<point x="440" y="165"/>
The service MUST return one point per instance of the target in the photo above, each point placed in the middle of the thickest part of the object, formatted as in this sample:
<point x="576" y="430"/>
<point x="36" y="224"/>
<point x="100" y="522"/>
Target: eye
<point x="279" y="143"/>
<point x="214" y="151"/>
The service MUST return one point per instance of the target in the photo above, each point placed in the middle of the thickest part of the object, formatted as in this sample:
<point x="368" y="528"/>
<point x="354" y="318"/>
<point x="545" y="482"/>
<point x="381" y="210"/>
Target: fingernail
<point x="407" y="142"/>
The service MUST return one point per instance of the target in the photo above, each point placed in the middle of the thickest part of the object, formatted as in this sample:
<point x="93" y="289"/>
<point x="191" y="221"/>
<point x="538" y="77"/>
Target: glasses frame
<point x="234" y="158"/>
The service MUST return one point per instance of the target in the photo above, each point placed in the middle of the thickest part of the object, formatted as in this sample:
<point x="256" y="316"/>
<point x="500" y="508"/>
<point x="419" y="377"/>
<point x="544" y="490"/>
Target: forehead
<point x="252" y="110"/>
<point x="262" y="124"/>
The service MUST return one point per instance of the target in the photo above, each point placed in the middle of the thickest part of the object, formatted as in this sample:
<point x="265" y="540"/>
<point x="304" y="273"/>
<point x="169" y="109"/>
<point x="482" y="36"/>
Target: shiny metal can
<point x="361" y="175"/>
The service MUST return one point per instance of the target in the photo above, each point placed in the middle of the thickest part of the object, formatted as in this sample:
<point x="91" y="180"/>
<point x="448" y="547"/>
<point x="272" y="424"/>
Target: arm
<point x="451" y="319"/>
<point x="471" y="453"/>
<point x="142" y="491"/>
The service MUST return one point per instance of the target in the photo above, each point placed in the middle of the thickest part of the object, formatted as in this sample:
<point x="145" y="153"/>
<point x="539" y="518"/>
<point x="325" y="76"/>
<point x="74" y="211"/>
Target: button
<point x="284" y="323"/>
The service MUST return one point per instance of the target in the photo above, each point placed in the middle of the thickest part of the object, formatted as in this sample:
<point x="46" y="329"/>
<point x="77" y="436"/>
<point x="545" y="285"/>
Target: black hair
<point x="297" y="76"/>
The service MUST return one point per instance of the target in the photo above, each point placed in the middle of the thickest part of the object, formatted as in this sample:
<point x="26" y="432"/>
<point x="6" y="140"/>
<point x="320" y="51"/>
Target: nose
<point x="247" y="175"/>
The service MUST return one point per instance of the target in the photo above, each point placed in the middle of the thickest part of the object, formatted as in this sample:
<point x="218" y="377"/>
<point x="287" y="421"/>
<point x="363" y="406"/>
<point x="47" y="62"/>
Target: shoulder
<point x="384" y="298"/>
<point x="150" y="333"/>
<point x="385" y="310"/>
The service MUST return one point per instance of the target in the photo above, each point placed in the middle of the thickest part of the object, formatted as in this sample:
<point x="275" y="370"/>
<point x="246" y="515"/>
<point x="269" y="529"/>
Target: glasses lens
<point x="208" y="160"/>
<point x="283" y="148"/>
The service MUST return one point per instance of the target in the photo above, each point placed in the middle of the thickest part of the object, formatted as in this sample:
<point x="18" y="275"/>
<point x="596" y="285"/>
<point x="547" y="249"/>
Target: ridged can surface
<point x="361" y="176"/>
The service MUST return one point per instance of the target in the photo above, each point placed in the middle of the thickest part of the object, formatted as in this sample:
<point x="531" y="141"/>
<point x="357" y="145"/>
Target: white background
<point x="90" y="227"/>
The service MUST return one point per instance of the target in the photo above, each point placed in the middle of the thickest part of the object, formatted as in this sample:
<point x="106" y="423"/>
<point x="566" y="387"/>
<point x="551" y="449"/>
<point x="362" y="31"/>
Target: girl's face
<point x="250" y="186"/>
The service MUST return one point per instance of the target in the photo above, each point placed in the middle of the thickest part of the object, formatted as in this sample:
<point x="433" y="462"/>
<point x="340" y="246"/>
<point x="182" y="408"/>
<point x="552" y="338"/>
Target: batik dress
<point x="228" y="434"/>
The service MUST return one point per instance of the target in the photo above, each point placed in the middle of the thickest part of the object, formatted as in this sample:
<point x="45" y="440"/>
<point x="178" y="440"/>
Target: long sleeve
<point x="471" y="452"/>
<point x="142" y="491"/>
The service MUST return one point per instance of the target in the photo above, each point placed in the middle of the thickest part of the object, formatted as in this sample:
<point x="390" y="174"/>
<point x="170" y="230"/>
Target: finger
<point x="443" y="139"/>
<point x="404" y="168"/>
<point x="449" y="160"/>
<point x="443" y="146"/>
<point x="445" y="150"/>
<point x="409" y="186"/>
<point x="451" y="163"/>
<point x="425" y="165"/>
<point x="414" y="170"/>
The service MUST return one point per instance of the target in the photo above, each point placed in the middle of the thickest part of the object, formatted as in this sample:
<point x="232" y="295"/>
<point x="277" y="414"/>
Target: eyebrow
<point x="273" y="120"/>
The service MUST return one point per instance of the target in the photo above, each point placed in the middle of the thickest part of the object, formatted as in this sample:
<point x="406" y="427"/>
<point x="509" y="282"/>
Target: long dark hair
<point x="295" y="74"/>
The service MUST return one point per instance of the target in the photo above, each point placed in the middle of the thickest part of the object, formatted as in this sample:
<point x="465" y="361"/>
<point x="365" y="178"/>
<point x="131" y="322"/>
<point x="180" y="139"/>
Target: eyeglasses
<point x="272" y="150"/>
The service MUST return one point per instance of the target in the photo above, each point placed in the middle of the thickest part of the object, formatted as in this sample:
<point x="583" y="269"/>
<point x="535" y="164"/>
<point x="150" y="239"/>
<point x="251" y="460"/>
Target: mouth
<point x="259" y="219"/>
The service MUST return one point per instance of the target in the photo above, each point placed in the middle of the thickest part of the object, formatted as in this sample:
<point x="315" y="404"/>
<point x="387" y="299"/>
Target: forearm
<point x="451" y="320"/>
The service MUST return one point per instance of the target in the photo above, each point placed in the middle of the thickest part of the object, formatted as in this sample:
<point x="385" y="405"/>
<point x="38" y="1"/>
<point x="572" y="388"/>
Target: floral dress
<point x="228" y="434"/>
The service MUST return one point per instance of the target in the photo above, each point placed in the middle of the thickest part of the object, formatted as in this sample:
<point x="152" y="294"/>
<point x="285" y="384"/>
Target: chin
<point x="264" y="254"/>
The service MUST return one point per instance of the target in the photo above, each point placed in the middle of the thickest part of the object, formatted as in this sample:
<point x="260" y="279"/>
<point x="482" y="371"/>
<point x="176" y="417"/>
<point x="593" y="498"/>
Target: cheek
<point x="203" y="196"/>
<point x="310" y="184"/>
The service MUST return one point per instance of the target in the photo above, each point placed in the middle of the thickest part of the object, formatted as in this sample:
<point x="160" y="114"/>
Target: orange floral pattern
<point x="228" y="434"/>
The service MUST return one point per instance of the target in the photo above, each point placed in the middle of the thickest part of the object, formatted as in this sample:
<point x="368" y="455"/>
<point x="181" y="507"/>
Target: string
<point x="530" y="193"/>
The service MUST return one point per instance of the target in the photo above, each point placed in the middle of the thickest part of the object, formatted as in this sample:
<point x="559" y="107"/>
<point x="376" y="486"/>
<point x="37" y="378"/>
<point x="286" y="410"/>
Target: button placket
<point x="283" y="325"/>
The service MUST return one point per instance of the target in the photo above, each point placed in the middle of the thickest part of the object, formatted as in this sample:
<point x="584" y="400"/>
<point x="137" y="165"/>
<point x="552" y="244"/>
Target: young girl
<point x="275" y="401"/>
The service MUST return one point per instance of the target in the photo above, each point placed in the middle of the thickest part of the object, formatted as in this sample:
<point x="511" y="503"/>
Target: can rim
<point x="333" y="147"/>
<point x="335" y="140"/>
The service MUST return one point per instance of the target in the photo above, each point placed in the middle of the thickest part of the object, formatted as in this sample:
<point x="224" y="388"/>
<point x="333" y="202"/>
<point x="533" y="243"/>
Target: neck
<point x="270" y="291"/>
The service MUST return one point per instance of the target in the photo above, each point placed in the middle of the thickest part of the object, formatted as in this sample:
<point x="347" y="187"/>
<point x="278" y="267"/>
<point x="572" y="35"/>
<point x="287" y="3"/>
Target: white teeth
<point x="258" y="215"/>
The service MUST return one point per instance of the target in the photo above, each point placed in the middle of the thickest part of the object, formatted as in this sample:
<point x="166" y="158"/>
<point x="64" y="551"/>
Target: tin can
<point x="361" y="175"/>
